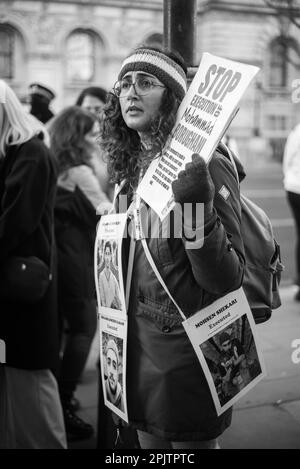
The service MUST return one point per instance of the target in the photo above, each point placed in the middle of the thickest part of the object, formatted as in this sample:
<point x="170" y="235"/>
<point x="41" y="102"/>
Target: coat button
<point x="166" y="329"/>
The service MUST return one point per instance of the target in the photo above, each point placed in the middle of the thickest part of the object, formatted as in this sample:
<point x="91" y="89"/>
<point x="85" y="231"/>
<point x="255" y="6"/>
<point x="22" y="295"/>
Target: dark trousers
<point x="294" y="202"/>
<point x="81" y="328"/>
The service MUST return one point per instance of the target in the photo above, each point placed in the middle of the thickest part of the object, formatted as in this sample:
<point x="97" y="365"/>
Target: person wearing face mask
<point x="72" y="142"/>
<point x="168" y="398"/>
<point x="40" y="98"/>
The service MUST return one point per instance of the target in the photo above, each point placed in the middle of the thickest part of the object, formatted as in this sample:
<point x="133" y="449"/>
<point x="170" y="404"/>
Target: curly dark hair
<point x="122" y="146"/>
<point x="67" y="131"/>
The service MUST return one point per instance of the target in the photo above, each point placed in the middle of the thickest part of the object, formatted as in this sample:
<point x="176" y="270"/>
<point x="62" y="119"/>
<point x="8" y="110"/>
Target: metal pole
<point x="180" y="28"/>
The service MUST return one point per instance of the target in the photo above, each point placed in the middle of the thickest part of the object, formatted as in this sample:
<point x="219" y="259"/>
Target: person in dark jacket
<point x="30" y="408"/>
<point x="79" y="194"/>
<point x="168" y="398"/>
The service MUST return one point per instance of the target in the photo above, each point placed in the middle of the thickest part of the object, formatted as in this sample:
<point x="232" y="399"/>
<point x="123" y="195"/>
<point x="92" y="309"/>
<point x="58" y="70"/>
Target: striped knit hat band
<point x="158" y="64"/>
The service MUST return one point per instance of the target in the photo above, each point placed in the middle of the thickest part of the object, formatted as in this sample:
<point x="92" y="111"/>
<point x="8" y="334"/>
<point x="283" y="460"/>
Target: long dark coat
<point x="76" y="220"/>
<point x="27" y="193"/>
<point x="167" y="393"/>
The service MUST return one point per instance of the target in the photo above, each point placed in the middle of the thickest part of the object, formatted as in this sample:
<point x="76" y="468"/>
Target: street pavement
<point x="268" y="417"/>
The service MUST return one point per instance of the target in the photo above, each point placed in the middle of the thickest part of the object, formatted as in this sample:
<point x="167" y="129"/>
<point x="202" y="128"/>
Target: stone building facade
<point x="69" y="45"/>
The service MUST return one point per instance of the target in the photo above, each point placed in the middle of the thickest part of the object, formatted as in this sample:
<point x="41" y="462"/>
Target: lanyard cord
<point x="151" y="261"/>
<point x="147" y="253"/>
<point x="129" y="271"/>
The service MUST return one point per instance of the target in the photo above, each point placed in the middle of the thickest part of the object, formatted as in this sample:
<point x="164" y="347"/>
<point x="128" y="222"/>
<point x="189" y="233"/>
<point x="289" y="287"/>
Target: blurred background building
<point x="69" y="45"/>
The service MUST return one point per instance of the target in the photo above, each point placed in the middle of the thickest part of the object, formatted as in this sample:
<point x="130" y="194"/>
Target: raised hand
<point x="194" y="184"/>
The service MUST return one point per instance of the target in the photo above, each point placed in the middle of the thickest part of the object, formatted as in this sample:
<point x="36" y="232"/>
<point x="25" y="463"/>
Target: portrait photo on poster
<point x="108" y="275"/>
<point x="113" y="379"/>
<point x="233" y="362"/>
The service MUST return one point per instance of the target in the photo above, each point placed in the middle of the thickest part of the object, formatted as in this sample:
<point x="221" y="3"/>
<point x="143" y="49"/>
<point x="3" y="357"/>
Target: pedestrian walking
<point x="79" y="194"/>
<point x="168" y="398"/>
<point x="30" y="409"/>
<point x="291" y="181"/>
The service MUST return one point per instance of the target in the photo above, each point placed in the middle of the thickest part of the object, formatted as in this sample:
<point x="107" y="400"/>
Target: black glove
<point x="194" y="185"/>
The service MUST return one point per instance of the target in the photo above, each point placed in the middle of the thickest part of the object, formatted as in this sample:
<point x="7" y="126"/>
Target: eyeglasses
<point x="142" y="86"/>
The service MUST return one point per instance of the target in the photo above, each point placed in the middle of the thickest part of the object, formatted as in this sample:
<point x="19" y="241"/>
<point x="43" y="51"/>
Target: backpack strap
<point x="233" y="163"/>
<point x="159" y="277"/>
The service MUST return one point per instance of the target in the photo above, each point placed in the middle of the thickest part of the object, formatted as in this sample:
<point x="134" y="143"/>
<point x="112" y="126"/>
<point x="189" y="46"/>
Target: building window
<point x="278" y="64"/>
<point x="283" y="55"/>
<point x="277" y="122"/>
<point x="80" y="56"/>
<point x="7" y="41"/>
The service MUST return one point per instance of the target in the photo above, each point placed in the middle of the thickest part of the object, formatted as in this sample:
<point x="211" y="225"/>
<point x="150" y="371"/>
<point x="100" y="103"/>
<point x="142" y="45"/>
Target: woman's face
<point x="92" y="104"/>
<point x="139" y="111"/>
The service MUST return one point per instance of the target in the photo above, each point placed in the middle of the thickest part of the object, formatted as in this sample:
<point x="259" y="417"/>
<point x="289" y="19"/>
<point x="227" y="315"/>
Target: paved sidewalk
<point x="269" y="415"/>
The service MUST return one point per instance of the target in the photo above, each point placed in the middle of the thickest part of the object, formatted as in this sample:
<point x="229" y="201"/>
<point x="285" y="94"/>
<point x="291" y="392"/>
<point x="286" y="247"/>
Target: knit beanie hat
<point x="111" y="344"/>
<point x="169" y="72"/>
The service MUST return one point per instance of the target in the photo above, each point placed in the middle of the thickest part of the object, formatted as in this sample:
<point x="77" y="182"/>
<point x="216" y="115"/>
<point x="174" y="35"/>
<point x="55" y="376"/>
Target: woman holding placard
<point x="168" y="399"/>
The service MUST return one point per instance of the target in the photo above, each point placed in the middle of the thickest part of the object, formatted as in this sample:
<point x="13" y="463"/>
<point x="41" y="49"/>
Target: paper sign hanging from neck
<point x="202" y="119"/>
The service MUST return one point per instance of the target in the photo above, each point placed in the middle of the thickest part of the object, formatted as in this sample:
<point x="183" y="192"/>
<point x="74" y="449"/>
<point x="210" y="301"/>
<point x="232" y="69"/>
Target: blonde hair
<point x="16" y="125"/>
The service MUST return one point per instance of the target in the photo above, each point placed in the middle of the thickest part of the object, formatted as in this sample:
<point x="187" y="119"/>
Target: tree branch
<point x="288" y="9"/>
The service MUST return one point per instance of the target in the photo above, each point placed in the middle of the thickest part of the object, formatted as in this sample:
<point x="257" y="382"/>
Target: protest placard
<point x="112" y="311"/>
<point x="203" y="117"/>
<point x="224" y="338"/>
<point x="108" y="265"/>
<point x="113" y="347"/>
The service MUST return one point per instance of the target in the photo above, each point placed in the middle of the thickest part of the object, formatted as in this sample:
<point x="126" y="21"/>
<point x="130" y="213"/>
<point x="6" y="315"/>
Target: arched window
<point x="282" y="54"/>
<point x="80" y="54"/>
<point x="7" y="52"/>
<point x="278" y="63"/>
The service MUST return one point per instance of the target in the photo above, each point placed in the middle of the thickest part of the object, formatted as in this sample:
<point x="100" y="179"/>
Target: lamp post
<point x="257" y="107"/>
<point x="180" y="19"/>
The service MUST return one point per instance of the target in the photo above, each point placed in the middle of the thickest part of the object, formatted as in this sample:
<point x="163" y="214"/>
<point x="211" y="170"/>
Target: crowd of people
<point x="52" y="179"/>
<point x="56" y="178"/>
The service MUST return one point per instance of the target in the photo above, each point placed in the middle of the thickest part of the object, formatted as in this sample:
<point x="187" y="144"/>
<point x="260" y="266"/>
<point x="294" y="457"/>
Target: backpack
<point x="263" y="261"/>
